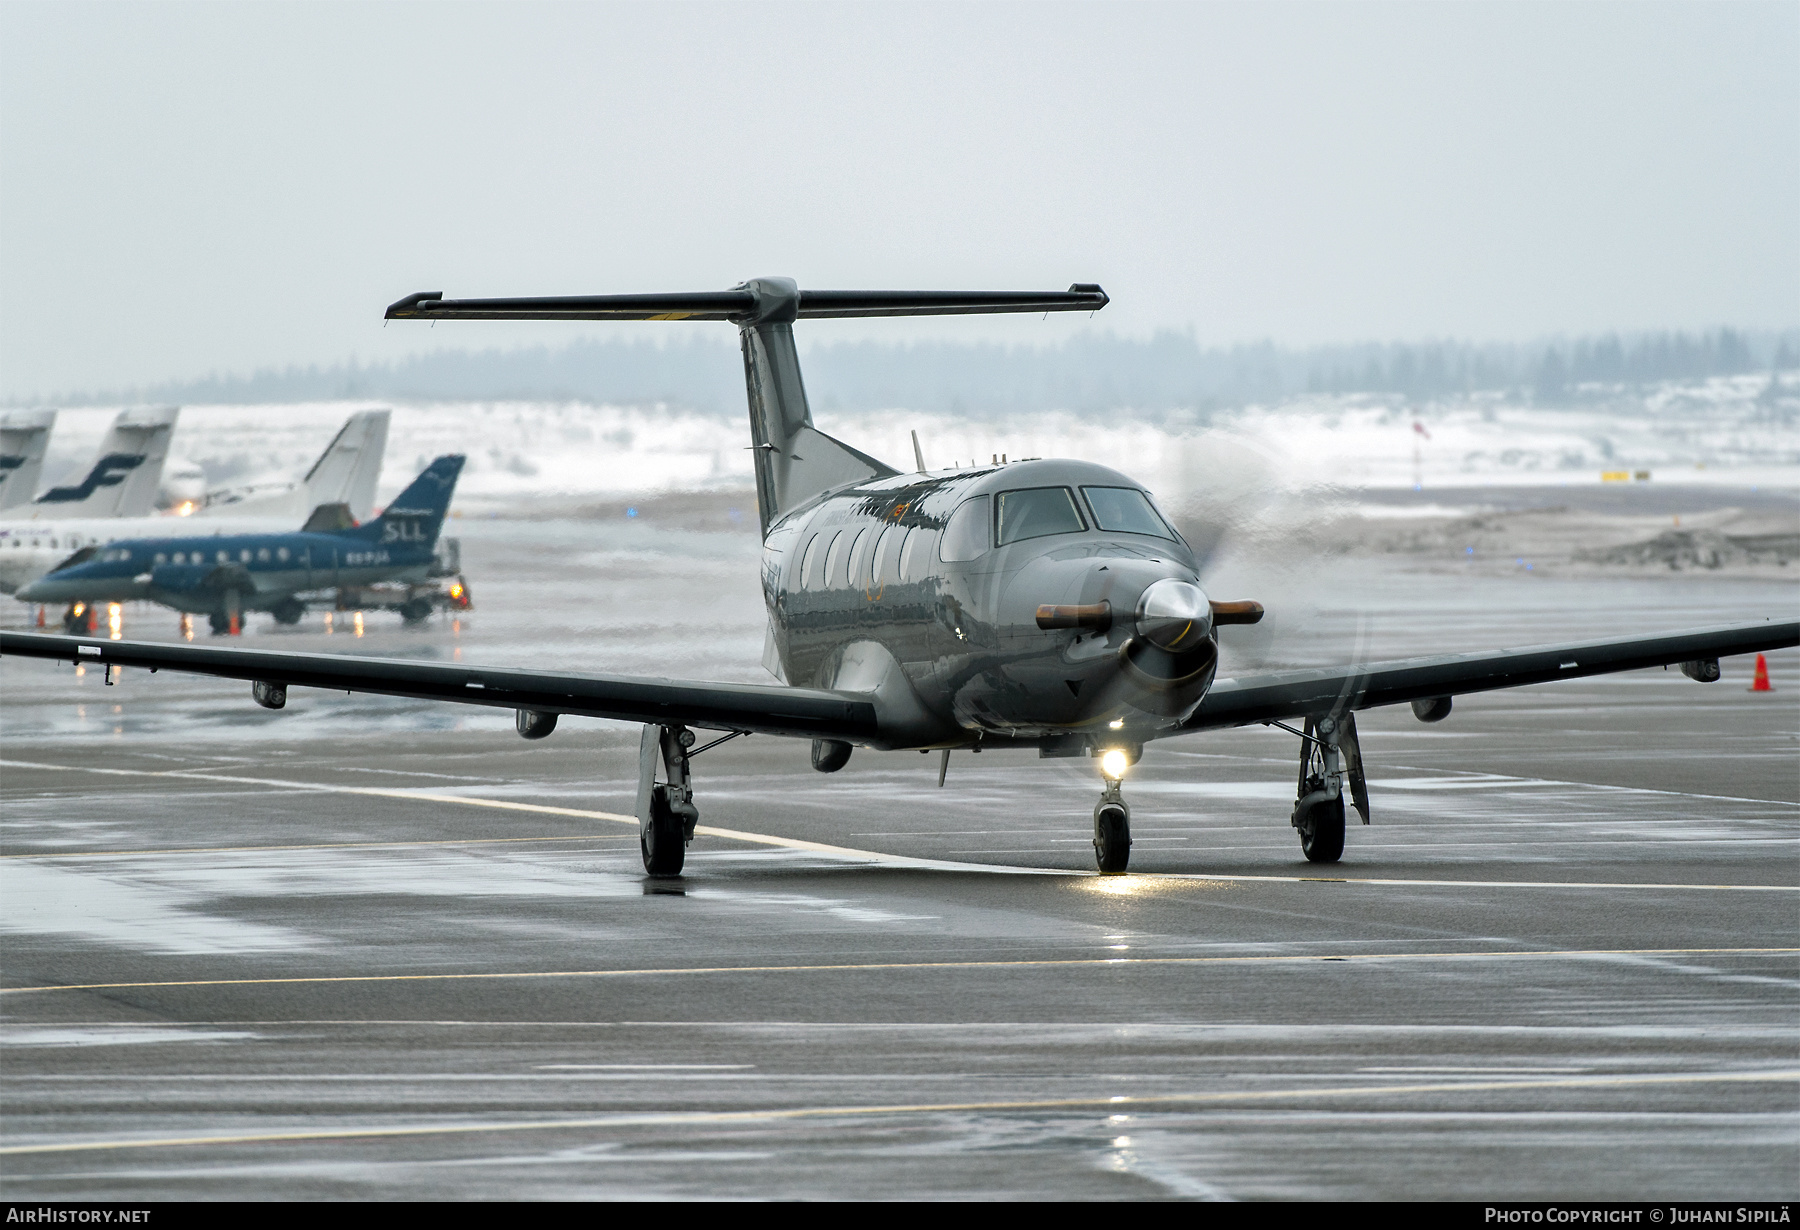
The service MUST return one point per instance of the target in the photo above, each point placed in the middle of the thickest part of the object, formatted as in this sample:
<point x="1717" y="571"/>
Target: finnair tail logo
<point x="109" y="472"/>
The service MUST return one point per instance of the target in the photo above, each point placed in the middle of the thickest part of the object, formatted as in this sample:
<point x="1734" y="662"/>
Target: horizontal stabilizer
<point x="741" y="304"/>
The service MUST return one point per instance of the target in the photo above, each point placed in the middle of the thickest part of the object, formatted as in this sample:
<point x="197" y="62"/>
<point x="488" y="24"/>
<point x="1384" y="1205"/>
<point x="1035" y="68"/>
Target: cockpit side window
<point x="966" y="536"/>
<point x="1125" y="510"/>
<point x="1037" y="512"/>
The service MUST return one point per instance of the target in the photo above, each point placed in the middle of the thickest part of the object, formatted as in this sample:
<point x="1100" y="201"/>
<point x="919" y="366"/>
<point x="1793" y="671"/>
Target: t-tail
<point x="24" y="438"/>
<point x="415" y="516"/>
<point x="794" y="460"/>
<point x="125" y="476"/>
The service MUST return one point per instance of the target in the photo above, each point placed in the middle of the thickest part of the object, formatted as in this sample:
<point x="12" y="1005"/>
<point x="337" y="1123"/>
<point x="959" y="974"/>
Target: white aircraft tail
<point x="345" y="473"/>
<point x="125" y="476"/>
<point x="24" y="436"/>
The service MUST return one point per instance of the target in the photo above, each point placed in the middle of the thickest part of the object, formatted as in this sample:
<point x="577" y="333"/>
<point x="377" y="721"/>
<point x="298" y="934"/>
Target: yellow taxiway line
<point x="1144" y="1102"/>
<point x="1001" y="963"/>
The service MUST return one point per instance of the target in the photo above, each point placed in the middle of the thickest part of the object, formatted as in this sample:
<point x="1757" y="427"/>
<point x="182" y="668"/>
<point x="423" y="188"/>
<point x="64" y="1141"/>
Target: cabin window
<point x="834" y="561"/>
<point x="262" y="555"/>
<point x="244" y="555"/>
<point x="281" y="553"/>
<point x="858" y="570"/>
<point x="819" y="574"/>
<point x="224" y="557"/>
<point x="812" y="547"/>
<point x="915" y="557"/>
<point x="887" y="554"/>
<point x="1037" y="512"/>
<point x="1125" y="510"/>
<point x="966" y="537"/>
<point x="879" y="551"/>
<point x="161" y="559"/>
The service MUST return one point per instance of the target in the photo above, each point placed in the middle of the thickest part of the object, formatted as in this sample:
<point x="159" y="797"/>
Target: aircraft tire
<point x="1112" y="838"/>
<point x="288" y="611"/>
<point x="662" y="841"/>
<point x="1322" y="831"/>
<point x="219" y="622"/>
<point x="415" y="611"/>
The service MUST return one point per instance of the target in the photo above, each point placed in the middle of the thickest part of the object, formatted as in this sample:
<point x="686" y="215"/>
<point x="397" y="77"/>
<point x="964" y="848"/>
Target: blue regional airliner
<point x="223" y="575"/>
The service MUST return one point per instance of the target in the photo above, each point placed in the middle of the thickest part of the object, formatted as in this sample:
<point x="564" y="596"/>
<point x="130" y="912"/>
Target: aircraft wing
<point x="719" y="706"/>
<point x="1291" y="695"/>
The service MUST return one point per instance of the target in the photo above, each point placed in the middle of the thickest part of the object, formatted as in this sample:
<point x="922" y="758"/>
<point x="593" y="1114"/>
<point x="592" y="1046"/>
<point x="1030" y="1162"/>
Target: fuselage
<point x="194" y="573"/>
<point x="938" y="580"/>
<point x="31" y="546"/>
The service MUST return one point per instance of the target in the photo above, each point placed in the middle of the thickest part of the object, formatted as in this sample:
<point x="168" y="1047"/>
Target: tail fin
<point x="124" y="478"/>
<point x="24" y="435"/>
<point x="346" y="471"/>
<point x="417" y="514"/>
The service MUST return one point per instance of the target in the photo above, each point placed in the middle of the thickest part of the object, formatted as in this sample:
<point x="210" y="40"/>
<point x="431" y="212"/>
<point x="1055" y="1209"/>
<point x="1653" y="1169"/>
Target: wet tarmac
<point x="366" y="948"/>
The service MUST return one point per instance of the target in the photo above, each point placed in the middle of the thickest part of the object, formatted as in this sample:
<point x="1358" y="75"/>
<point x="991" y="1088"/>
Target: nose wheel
<point x="1112" y="831"/>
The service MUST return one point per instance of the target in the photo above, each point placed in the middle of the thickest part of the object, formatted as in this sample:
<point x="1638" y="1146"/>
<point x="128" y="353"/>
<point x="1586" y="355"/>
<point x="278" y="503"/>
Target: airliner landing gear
<point x="1330" y="759"/>
<point x="665" y="810"/>
<point x="219" y="622"/>
<point x="1112" y="830"/>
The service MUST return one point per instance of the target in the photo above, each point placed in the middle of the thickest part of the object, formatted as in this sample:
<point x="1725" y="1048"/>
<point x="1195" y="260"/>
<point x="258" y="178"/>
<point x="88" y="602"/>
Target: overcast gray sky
<point x="195" y="187"/>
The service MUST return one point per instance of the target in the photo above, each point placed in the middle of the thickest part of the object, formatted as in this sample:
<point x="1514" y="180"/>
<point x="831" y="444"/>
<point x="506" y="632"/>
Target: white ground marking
<point x="856" y="855"/>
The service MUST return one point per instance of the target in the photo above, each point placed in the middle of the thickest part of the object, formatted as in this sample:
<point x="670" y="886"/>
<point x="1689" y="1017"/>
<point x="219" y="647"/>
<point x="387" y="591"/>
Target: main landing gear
<point x="665" y="810"/>
<point x="1330" y="758"/>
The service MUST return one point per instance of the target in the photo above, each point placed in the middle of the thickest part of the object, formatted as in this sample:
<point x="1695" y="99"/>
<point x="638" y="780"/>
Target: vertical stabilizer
<point x="124" y="477"/>
<point x="347" y="471"/>
<point x="24" y="437"/>
<point x="794" y="460"/>
<point x="414" y="517"/>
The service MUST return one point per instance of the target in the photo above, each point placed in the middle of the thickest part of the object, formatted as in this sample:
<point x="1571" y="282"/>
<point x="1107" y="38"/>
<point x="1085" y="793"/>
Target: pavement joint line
<point x="822" y="968"/>
<point x="843" y="852"/>
<point x="679" y="1118"/>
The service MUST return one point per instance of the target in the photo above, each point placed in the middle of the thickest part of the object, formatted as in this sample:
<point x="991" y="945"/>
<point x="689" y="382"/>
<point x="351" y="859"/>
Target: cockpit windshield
<point x="1125" y="510"/>
<point x="1037" y="512"/>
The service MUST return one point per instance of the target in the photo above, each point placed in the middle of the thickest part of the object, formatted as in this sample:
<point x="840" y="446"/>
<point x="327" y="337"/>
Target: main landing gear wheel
<point x="219" y="622"/>
<point x="662" y="838"/>
<point x="288" y="611"/>
<point x="1321" y="825"/>
<point x="1112" y="836"/>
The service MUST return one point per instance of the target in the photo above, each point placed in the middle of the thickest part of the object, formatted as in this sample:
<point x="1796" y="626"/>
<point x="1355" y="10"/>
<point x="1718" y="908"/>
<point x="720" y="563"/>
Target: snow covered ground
<point x="1731" y="430"/>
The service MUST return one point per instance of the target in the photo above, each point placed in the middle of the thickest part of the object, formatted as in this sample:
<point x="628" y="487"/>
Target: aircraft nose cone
<point x="1174" y="615"/>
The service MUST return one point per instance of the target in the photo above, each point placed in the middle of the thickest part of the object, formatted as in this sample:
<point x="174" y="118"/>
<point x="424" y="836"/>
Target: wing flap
<point x="803" y="712"/>
<point x="1285" y="695"/>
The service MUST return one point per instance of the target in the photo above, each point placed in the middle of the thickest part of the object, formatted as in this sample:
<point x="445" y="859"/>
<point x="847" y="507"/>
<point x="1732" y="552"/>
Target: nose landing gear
<point x="1112" y="831"/>
<point x="1112" y="818"/>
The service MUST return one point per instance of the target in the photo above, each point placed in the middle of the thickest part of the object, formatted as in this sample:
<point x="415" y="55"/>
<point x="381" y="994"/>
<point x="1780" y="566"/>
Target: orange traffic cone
<point x="235" y="627"/>
<point x="1761" y="682"/>
<point x="40" y="617"/>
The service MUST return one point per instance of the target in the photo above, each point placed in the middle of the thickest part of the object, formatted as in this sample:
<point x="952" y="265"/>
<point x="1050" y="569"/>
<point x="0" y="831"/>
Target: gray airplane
<point x="1043" y="605"/>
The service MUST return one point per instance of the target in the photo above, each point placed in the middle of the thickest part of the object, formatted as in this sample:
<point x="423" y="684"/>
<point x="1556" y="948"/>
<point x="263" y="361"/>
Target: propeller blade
<point x="1097" y="615"/>
<point x="1230" y="613"/>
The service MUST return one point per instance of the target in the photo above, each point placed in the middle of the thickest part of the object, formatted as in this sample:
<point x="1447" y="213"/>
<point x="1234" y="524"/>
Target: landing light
<point x="1113" y="763"/>
<point x="1116" y="724"/>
